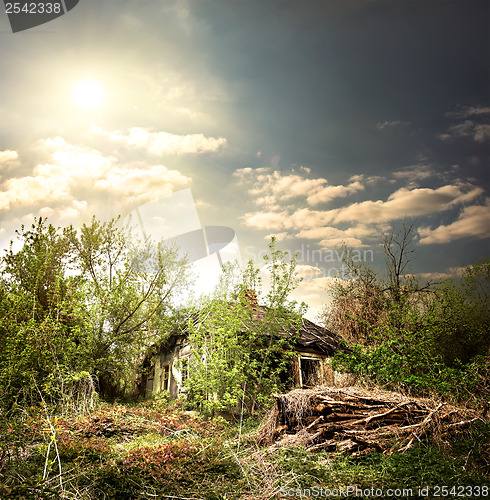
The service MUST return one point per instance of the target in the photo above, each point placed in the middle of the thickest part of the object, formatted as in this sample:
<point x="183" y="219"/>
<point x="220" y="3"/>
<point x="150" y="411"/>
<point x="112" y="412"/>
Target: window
<point x="165" y="381"/>
<point x="310" y="372"/>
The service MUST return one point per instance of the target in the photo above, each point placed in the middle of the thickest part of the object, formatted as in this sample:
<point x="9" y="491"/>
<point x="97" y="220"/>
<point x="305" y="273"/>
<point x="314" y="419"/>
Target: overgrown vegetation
<point x="429" y="339"/>
<point x="78" y="310"/>
<point x="157" y="450"/>
<point x="242" y="353"/>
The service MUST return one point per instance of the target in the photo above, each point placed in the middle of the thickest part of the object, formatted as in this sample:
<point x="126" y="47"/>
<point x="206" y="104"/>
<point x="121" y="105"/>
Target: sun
<point x="88" y="94"/>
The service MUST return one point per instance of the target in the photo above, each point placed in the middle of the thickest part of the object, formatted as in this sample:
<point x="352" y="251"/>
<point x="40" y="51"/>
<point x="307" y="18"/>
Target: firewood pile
<point x="356" y="420"/>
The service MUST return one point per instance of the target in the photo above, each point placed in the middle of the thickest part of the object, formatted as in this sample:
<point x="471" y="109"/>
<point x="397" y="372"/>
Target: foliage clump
<point x="77" y="311"/>
<point x="422" y="338"/>
<point x="243" y="339"/>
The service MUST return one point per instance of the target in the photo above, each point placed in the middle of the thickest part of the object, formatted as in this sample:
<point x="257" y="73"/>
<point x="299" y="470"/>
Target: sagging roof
<point x="311" y="337"/>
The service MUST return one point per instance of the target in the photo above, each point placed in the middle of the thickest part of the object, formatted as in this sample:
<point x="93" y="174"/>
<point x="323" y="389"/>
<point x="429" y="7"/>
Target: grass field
<point x="154" y="449"/>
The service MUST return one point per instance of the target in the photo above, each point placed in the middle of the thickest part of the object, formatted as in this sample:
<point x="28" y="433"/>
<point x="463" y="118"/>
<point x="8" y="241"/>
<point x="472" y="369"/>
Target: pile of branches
<point x="356" y="421"/>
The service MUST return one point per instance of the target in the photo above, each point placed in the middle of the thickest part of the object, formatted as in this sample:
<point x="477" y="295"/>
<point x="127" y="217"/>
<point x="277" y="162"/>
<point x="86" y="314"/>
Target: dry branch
<point x="356" y="420"/>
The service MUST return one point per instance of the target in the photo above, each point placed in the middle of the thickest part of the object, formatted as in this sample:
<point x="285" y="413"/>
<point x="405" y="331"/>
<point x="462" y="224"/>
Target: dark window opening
<point x="166" y="378"/>
<point x="310" y="372"/>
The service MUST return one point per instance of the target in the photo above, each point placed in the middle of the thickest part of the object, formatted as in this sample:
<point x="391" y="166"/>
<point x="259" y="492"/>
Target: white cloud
<point x="29" y="190"/>
<point x="468" y="111"/>
<point x="340" y="241"/>
<point x="473" y="221"/>
<point x="304" y="218"/>
<point x="249" y="173"/>
<point x="74" y="176"/>
<point x="279" y="196"/>
<point x="273" y="188"/>
<point x="407" y="202"/>
<point x="434" y="276"/>
<point x="328" y="193"/>
<point x="8" y="156"/>
<point x="479" y="132"/>
<point x="279" y="236"/>
<point x="267" y="220"/>
<point x="306" y="272"/>
<point x="390" y="124"/>
<point x="160" y="143"/>
<point x="414" y="172"/>
<point x="332" y="237"/>
<point x="370" y="179"/>
<point x="444" y="137"/>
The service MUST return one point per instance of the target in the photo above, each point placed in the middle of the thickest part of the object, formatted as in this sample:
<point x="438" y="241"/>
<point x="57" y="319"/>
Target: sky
<point x="324" y="123"/>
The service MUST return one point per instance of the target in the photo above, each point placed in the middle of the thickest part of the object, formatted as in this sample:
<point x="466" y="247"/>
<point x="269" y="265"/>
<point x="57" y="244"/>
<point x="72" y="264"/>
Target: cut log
<point x="355" y="421"/>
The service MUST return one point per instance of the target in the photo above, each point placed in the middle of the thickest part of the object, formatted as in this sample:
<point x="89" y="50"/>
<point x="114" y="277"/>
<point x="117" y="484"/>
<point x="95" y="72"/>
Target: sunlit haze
<point x="88" y="94"/>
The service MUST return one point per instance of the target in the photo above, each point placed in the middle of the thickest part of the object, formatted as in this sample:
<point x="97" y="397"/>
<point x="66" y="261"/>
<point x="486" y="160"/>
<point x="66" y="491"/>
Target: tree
<point x="80" y="305"/>
<point x="242" y="351"/>
<point x="368" y="300"/>
<point x="45" y="341"/>
<point x="130" y="286"/>
<point x="425" y="337"/>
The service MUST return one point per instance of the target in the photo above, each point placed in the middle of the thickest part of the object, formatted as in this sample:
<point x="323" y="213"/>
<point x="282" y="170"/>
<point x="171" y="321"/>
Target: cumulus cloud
<point x="273" y="188"/>
<point x="414" y="173"/>
<point x="279" y="197"/>
<point x="160" y="143"/>
<point x="306" y="272"/>
<point x="364" y="219"/>
<point x="481" y="133"/>
<point x="473" y="221"/>
<point x="73" y="176"/>
<point x="328" y="193"/>
<point x="9" y="163"/>
<point x="29" y="190"/>
<point x="468" y="111"/>
<point x="407" y="202"/>
<point x="471" y="126"/>
<point x="367" y="179"/>
<point x="331" y="237"/>
<point x="435" y="276"/>
<point x="8" y="156"/>
<point x="280" y="220"/>
<point x="267" y="220"/>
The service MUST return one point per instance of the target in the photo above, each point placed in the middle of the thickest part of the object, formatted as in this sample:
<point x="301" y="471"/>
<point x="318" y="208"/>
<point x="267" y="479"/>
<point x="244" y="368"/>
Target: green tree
<point x="45" y="342"/>
<point x="424" y="337"/>
<point x="77" y="306"/>
<point x="130" y="286"/>
<point x="242" y="351"/>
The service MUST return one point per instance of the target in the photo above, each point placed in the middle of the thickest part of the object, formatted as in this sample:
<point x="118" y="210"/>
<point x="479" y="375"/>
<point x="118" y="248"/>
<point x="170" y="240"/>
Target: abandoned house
<point x="168" y="365"/>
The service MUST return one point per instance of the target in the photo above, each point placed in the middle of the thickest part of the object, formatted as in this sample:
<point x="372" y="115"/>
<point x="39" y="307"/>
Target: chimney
<point x="251" y="298"/>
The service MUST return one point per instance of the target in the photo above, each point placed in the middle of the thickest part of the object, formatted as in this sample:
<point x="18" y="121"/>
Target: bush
<point x="431" y="341"/>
